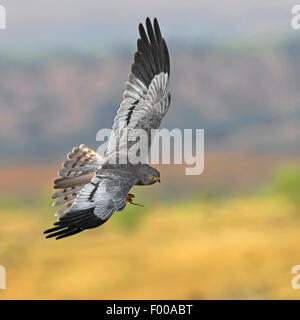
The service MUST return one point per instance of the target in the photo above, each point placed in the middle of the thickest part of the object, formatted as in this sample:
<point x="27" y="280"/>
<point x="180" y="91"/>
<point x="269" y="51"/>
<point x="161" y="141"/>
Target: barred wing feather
<point x="77" y="171"/>
<point x="146" y="98"/>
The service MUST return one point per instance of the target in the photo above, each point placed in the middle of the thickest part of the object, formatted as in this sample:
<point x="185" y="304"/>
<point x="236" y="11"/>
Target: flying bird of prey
<point x="91" y="188"/>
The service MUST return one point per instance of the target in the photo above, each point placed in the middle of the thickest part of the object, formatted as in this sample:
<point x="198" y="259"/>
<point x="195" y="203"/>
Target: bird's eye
<point x="151" y="177"/>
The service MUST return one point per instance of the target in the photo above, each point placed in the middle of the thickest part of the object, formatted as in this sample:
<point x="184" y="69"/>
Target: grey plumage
<point x="91" y="188"/>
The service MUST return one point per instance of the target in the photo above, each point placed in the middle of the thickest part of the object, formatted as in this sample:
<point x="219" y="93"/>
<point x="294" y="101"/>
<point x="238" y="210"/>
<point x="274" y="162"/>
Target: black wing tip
<point x="69" y="233"/>
<point x="51" y="230"/>
<point x="62" y="232"/>
<point x="149" y="26"/>
<point x="152" y="55"/>
<point x="149" y="23"/>
<point x="74" y="222"/>
<point x="141" y="27"/>
<point x="148" y="20"/>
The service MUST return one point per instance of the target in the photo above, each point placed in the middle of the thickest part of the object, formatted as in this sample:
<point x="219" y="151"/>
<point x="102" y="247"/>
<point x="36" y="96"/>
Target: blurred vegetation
<point x="240" y="246"/>
<point x="286" y="183"/>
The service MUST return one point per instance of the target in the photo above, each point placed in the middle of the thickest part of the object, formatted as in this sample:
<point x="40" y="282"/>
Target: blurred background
<point x="230" y="233"/>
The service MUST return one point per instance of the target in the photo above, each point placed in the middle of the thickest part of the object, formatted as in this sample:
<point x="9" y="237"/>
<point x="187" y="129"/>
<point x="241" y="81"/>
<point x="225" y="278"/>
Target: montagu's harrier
<point x="91" y="188"/>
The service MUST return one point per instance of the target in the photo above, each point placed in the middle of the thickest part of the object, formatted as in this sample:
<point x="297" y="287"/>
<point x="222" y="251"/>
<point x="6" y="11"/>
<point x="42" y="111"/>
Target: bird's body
<point x="92" y="187"/>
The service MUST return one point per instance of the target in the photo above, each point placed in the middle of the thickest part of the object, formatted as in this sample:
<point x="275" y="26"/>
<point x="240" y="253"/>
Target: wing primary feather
<point x="153" y="43"/>
<point x="166" y="58"/>
<point x="157" y="31"/>
<point x="142" y="69"/>
<point x="146" y="50"/>
<point x="52" y="235"/>
<point x="74" y="222"/>
<point x="143" y="34"/>
<point x="137" y="71"/>
<point x="53" y="229"/>
<point x="141" y="59"/>
<point x="70" y="233"/>
<point x="152" y="56"/>
<point x="159" y="45"/>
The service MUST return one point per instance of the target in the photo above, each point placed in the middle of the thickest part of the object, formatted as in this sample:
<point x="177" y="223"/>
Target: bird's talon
<point x="129" y="199"/>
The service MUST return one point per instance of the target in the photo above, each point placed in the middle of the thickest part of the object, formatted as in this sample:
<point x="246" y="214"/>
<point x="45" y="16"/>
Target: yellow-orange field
<point x="203" y="245"/>
<point x="242" y="248"/>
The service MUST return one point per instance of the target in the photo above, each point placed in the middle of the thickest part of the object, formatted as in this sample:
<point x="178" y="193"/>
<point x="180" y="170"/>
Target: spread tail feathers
<point x="77" y="171"/>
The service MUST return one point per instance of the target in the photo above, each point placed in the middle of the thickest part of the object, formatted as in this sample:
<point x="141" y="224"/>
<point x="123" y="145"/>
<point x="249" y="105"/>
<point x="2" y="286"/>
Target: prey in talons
<point x="130" y="198"/>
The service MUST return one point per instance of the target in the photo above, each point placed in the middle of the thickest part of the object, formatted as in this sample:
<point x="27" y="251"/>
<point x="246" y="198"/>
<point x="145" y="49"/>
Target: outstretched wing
<point x="94" y="204"/>
<point x="146" y="98"/>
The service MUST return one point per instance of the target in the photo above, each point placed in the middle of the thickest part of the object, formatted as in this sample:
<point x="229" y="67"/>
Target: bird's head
<point x="154" y="178"/>
<point x="148" y="176"/>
